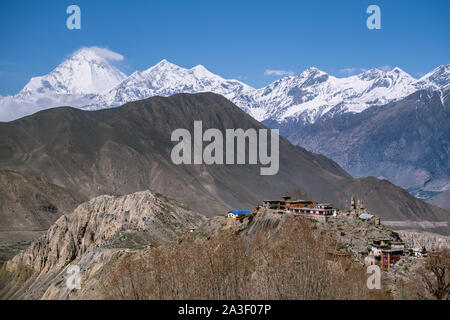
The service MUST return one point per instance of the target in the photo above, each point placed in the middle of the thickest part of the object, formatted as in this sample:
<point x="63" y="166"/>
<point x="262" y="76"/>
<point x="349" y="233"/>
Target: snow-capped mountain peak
<point x="370" y="74"/>
<point x="437" y="78"/>
<point x="95" y="54"/>
<point x="374" y="73"/>
<point x="311" y="72"/>
<point x="312" y="76"/>
<point x="162" y="66"/>
<point x="87" y="71"/>
<point x="399" y="74"/>
<point x="165" y="67"/>
<point x="75" y="82"/>
<point x="166" y="78"/>
<point x="201" y="71"/>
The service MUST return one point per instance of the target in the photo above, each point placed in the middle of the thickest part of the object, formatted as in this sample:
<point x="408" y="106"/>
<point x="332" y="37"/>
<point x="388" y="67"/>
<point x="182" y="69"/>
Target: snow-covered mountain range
<point x="165" y="79"/>
<point x="314" y="94"/>
<point x="87" y="80"/>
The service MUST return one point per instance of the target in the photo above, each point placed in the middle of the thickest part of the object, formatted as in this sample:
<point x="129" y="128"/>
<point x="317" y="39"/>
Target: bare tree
<point x="435" y="275"/>
<point x="293" y="263"/>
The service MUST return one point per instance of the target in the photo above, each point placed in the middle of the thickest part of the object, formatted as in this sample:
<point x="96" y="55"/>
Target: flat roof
<point x="392" y="250"/>
<point x="239" y="211"/>
<point x="379" y="245"/>
<point x="299" y="201"/>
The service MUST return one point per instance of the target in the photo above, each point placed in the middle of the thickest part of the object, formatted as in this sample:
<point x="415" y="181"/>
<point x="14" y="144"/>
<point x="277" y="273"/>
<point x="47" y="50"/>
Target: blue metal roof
<point x="240" y="211"/>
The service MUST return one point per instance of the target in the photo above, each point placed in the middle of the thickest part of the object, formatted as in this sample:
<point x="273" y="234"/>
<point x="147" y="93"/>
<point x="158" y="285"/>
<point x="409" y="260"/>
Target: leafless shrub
<point x="124" y="282"/>
<point x="435" y="276"/>
<point x="300" y="265"/>
<point x="295" y="263"/>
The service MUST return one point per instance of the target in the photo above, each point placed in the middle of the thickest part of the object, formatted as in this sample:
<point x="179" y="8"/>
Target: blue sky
<point x="235" y="39"/>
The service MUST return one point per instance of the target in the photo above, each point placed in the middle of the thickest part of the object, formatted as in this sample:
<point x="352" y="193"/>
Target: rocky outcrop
<point x="100" y="225"/>
<point x="91" y="240"/>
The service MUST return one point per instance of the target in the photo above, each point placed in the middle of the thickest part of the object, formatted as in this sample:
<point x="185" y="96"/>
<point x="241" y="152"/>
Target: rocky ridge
<point x="97" y="228"/>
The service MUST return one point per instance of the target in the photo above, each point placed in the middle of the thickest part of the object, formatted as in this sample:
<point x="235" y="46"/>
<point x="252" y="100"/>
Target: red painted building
<point x="390" y="257"/>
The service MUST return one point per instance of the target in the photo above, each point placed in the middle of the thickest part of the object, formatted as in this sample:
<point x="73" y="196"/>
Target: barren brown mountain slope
<point x="406" y="141"/>
<point x="127" y="149"/>
<point x="28" y="203"/>
<point x="28" y="207"/>
<point x="441" y="200"/>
